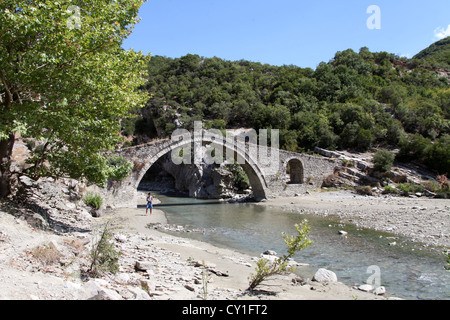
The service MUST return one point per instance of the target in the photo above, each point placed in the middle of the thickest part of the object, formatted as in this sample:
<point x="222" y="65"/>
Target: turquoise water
<point x="406" y="270"/>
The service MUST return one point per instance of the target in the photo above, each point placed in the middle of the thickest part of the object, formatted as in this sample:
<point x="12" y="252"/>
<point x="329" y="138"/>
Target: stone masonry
<point x="285" y="173"/>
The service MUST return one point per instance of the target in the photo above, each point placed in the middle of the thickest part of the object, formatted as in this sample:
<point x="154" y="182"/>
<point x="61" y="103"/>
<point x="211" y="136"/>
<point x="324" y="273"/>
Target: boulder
<point x="143" y="265"/>
<point x="324" y="275"/>
<point x="139" y="294"/>
<point x="366" y="288"/>
<point x="379" y="291"/>
<point x="95" y="290"/>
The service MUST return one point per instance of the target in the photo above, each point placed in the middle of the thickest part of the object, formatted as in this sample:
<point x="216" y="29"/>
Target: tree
<point x="66" y="81"/>
<point x="383" y="160"/>
<point x="439" y="155"/>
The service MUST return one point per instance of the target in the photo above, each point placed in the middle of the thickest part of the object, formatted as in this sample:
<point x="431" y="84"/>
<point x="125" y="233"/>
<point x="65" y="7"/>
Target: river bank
<point x="229" y="269"/>
<point x="422" y="220"/>
<point x="37" y="264"/>
<point x="42" y="265"/>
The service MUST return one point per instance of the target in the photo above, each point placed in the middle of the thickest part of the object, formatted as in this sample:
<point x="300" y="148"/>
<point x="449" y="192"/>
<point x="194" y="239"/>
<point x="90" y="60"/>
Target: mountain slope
<point x="436" y="55"/>
<point x="356" y="101"/>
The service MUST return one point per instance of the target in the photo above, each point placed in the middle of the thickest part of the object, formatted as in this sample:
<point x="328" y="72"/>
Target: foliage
<point x="436" y="55"/>
<point x="119" y="168"/>
<point x="239" y="175"/>
<point x="104" y="256"/>
<point x="390" y="189"/>
<point x="265" y="268"/>
<point x="47" y="254"/>
<point x="410" y="188"/>
<point x="355" y="101"/>
<point x="68" y="86"/>
<point x="383" y="160"/>
<point x="93" y="200"/>
<point x="364" y="190"/>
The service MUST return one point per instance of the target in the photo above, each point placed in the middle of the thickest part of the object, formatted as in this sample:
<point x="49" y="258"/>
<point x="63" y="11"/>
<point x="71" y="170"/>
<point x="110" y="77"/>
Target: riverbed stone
<point x="324" y="275"/>
<point x="143" y="265"/>
<point x="139" y="294"/>
<point x="366" y="288"/>
<point x="379" y="291"/>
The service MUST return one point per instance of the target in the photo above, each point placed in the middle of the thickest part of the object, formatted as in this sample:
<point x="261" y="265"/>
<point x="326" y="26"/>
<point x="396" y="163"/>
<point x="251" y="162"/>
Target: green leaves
<point x="299" y="241"/>
<point x="266" y="268"/>
<point x="69" y="87"/>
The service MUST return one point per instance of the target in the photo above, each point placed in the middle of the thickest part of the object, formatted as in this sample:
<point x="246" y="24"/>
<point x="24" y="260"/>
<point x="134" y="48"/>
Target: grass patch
<point x="93" y="200"/>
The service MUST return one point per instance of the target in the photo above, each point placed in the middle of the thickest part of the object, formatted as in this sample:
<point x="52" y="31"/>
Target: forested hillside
<point x="355" y="101"/>
<point x="437" y="55"/>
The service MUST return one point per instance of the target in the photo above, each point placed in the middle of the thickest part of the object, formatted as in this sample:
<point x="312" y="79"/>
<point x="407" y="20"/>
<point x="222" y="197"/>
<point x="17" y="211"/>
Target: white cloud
<point x="441" y="33"/>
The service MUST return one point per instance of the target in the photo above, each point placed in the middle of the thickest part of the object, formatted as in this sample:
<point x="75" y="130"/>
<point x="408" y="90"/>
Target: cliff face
<point x="201" y="181"/>
<point x="198" y="181"/>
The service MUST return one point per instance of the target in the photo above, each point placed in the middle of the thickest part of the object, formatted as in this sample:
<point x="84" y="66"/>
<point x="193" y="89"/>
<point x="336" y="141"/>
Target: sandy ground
<point x="173" y="274"/>
<point x="238" y="266"/>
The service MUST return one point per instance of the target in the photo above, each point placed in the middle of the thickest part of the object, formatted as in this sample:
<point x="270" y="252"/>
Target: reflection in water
<point x="406" y="270"/>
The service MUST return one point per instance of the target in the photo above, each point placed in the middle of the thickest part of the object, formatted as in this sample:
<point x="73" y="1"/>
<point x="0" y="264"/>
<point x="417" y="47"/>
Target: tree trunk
<point x="6" y="147"/>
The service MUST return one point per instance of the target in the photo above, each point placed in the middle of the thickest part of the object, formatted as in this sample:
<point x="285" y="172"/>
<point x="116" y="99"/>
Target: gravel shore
<point x="422" y="220"/>
<point x="152" y="266"/>
<point x="157" y="266"/>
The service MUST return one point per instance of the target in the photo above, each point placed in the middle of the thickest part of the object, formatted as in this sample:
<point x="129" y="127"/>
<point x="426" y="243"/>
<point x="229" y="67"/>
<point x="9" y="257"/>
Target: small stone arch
<point x="294" y="171"/>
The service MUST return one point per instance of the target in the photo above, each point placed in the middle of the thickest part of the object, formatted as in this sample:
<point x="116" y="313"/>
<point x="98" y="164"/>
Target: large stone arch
<point x="250" y="167"/>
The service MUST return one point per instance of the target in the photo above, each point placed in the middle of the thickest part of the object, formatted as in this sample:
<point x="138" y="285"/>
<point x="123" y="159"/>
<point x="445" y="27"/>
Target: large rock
<point x="139" y="294"/>
<point x="324" y="275"/>
<point x="95" y="290"/>
<point x="143" y="265"/>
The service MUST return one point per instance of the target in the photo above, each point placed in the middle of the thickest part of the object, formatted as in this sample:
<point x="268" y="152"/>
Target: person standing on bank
<point x="149" y="203"/>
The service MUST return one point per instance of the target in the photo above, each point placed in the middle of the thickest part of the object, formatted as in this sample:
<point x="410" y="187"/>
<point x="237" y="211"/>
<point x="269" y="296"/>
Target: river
<point x="406" y="270"/>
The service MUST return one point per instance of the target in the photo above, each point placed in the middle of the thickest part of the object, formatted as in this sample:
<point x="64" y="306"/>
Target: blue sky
<point x="277" y="32"/>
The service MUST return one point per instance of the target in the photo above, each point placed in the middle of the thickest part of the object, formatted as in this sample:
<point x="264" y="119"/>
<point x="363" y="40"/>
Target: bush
<point x="104" y="256"/>
<point x="239" y="175"/>
<point x="93" y="200"/>
<point x="264" y="268"/>
<point x="383" y="160"/>
<point x="46" y="254"/>
<point x="364" y="190"/>
<point x="119" y="168"/>
<point x="410" y="188"/>
<point x="390" y="190"/>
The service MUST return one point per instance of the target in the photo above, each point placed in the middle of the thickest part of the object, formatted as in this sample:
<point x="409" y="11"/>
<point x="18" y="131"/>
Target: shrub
<point x="119" y="168"/>
<point x="431" y="185"/>
<point x="364" y="190"/>
<point x="348" y="163"/>
<point x="389" y="189"/>
<point x="383" y="160"/>
<point x="265" y="268"/>
<point x="93" y="200"/>
<point x="239" y="175"/>
<point x="46" y="254"/>
<point x="410" y="188"/>
<point x="443" y="182"/>
<point x="104" y="257"/>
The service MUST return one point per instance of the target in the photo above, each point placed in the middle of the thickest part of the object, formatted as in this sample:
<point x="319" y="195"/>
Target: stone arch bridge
<point x="283" y="173"/>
